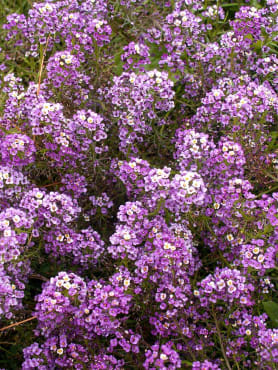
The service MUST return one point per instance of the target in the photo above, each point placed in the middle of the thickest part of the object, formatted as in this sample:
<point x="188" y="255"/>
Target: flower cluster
<point x="17" y="150"/>
<point x="64" y="78"/>
<point x="84" y="248"/>
<point x="137" y="99"/>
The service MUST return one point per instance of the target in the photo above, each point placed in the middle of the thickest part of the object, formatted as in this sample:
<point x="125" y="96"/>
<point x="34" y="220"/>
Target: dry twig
<point x="41" y="66"/>
<point x="18" y="323"/>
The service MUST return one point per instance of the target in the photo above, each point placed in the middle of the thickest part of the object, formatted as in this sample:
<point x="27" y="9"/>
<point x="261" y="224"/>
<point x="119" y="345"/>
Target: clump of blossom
<point x="17" y="150"/>
<point x="132" y="174"/>
<point x="137" y="99"/>
<point x="166" y="256"/>
<point x="74" y="184"/>
<point x="255" y="255"/>
<point x="13" y="282"/>
<point x="177" y="193"/>
<point x="15" y="240"/>
<point x="192" y="149"/>
<point x="105" y="361"/>
<point x="243" y="108"/>
<point x="101" y="203"/>
<point x="228" y="159"/>
<point x="195" y="151"/>
<point x="70" y="142"/>
<point x="127" y="340"/>
<point x="64" y="77"/>
<point x="268" y="347"/>
<point x="14" y="227"/>
<point x="12" y="184"/>
<point x="225" y="284"/>
<point x="245" y="329"/>
<point x="249" y="21"/>
<point x="77" y="314"/>
<point x="182" y="26"/>
<point x="136" y="55"/>
<point x="163" y="357"/>
<point x="51" y="208"/>
<point x="213" y="12"/>
<point x="130" y="231"/>
<point x="67" y="20"/>
<point x="56" y="351"/>
<point x="186" y="189"/>
<point x="82" y="248"/>
<point x="206" y="365"/>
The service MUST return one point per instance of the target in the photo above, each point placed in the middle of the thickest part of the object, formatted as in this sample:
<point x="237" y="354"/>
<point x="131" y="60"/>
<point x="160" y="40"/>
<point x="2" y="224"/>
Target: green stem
<point x="220" y="340"/>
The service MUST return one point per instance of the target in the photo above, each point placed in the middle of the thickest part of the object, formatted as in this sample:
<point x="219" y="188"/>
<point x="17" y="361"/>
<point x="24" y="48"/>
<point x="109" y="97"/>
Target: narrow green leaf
<point x="271" y="308"/>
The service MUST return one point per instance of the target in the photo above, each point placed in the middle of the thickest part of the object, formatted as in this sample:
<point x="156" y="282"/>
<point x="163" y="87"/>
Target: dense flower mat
<point x="138" y="179"/>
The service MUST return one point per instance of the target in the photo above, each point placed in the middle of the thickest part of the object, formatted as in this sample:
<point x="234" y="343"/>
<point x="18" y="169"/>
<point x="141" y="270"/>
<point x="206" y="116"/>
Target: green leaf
<point x="273" y="143"/>
<point x="268" y="229"/>
<point x="185" y="362"/>
<point x="249" y="36"/>
<point x="20" y="154"/>
<point x="258" y="45"/>
<point x="118" y="67"/>
<point x="231" y="5"/>
<point x="271" y="308"/>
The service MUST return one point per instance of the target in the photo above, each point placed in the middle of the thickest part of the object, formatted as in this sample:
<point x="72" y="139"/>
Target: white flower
<point x="60" y="238"/>
<point x="163" y="357"/>
<point x="53" y="207"/>
<point x="7" y="232"/>
<point x="231" y="289"/>
<point x="230" y="237"/>
<point x="67" y="285"/>
<point x="167" y="246"/>
<point x="260" y="258"/>
<point x="16" y="219"/>
<point x="221" y="284"/>
<point x="216" y="93"/>
<point x="127" y="236"/>
<point x="191" y="190"/>
<point x="230" y="282"/>
<point x="184" y="184"/>
<point x="39" y="195"/>
<point x="126" y="282"/>
<point x="137" y="48"/>
<point x="256" y="250"/>
<point x="6" y="223"/>
<point x="196" y="183"/>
